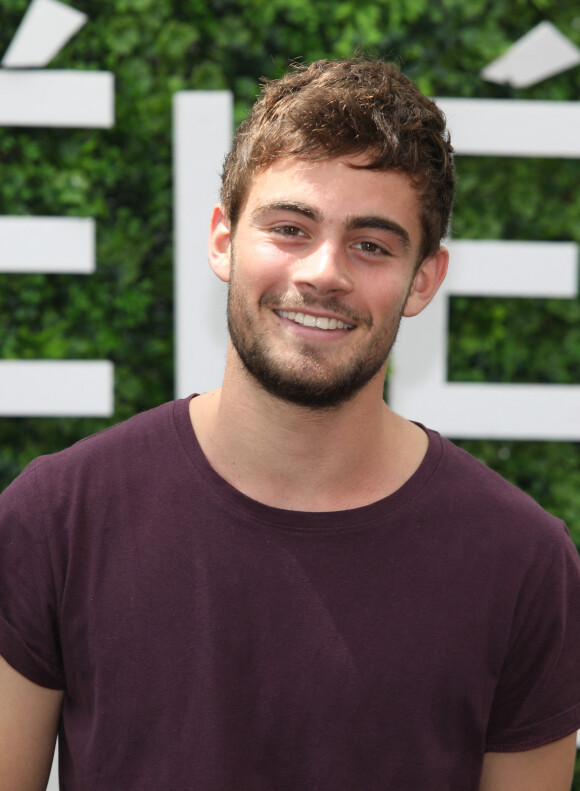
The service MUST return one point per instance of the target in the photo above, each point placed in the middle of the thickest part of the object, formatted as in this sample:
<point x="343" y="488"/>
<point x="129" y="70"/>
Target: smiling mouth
<point x="319" y="322"/>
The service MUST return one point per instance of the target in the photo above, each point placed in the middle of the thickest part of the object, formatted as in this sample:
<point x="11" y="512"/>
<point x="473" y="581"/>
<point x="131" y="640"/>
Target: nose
<point x="324" y="270"/>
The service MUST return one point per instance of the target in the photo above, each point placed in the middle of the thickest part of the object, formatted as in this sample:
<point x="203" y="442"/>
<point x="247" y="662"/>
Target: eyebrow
<point x="381" y="224"/>
<point x="284" y="205"/>
<point x="353" y="223"/>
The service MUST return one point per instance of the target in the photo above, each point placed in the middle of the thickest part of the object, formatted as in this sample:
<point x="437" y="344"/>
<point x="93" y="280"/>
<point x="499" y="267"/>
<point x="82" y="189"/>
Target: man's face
<point x="320" y="268"/>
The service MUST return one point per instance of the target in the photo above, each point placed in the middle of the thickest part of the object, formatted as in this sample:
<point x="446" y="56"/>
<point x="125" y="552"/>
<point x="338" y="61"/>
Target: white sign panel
<point x="52" y="244"/>
<point x="60" y="388"/>
<point x="83" y="99"/>
<point x="46" y="27"/>
<point x="541" y="53"/>
<point x="513" y="128"/>
<point x="202" y="128"/>
<point x="47" y="244"/>
<point x="418" y="386"/>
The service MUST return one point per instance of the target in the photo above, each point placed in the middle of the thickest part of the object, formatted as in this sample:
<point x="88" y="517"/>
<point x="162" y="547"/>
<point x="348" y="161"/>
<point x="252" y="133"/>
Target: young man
<point x="282" y="584"/>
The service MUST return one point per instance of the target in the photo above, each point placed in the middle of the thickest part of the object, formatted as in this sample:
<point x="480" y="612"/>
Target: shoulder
<point x="473" y="483"/>
<point x="493" y="511"/>
<point x="137" y="432"/>
<point x="113" y="454"/>
<point x="143" y="429"/>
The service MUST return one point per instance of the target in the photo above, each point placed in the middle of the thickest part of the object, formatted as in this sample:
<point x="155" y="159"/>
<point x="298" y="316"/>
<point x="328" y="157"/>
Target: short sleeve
<point x="537" y="700"/>
<point x="28" y="601"/>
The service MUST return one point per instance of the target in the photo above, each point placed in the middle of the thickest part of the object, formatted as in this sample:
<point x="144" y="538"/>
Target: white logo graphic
<point x="31" y="96"/>
<point x="418" y="386"/>
<point x="202" y="123"/>
<point x="541" y="53"/>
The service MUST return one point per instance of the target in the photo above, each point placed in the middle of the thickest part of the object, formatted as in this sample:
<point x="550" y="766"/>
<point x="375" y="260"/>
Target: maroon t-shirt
<point x="206" y="641"/>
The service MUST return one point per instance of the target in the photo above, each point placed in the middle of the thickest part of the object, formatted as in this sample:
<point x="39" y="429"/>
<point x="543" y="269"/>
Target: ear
<point x="426" y="282"/>
<point x="220" y="244"/>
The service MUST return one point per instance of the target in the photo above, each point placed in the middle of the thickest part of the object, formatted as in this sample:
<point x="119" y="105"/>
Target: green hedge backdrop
<point x="122" y="177"/>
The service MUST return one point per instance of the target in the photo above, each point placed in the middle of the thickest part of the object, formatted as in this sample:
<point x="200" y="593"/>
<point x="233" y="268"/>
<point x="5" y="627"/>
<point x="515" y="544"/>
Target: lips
<point x="319" y="322"/>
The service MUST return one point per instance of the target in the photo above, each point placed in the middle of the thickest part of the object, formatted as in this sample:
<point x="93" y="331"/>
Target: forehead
<point x="338" y="191"/>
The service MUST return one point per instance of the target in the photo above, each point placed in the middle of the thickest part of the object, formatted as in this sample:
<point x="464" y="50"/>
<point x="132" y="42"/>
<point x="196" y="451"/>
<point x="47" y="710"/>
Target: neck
<point x="292" y="457"/>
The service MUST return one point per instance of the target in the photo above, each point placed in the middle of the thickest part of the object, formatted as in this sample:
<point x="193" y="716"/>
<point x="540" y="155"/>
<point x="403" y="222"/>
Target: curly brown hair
<point x="342" y="108"/>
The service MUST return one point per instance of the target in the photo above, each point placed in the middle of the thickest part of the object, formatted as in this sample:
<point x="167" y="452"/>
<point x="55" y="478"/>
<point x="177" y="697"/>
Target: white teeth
<point x="320" y="322"/>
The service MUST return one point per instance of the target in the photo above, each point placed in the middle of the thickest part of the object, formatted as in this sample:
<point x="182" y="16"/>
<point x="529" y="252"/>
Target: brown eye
<point x="289" y="230"/>
<point x="371" y="247"/>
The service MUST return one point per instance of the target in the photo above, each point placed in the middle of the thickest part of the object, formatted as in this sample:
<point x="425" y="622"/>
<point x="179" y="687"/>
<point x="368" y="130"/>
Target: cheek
<point x="264" y="266"/>
<point x="387" y="295"/>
